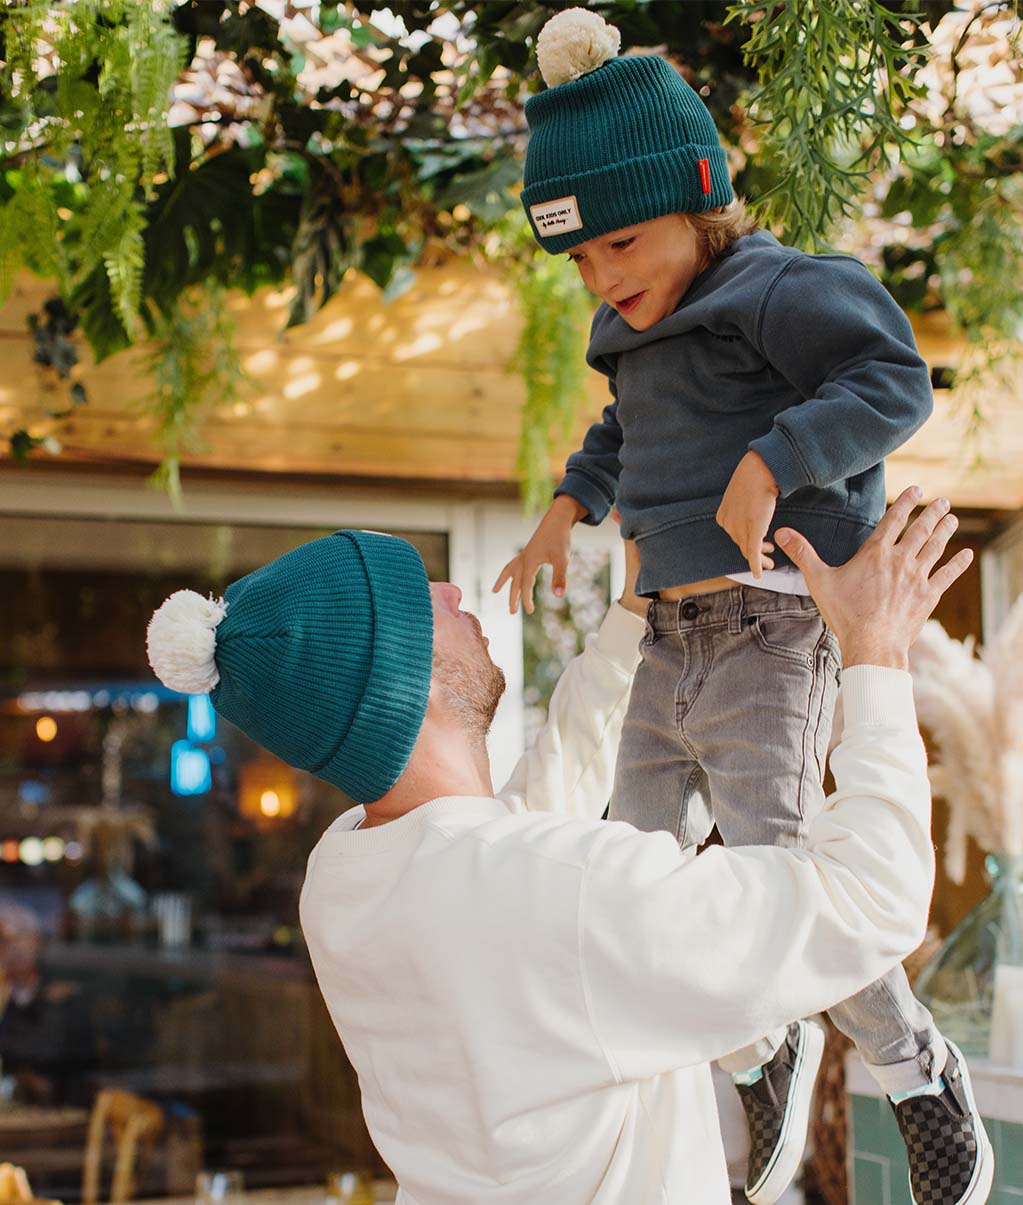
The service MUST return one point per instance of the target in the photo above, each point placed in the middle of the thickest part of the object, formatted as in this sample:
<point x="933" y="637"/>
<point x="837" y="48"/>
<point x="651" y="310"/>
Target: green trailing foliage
<point x="556" y="309"/>
<point x="85" y="89"/>
<point x="135" y="221"/>
<point x="194" y="364"/>
<point x="833" y="79"/>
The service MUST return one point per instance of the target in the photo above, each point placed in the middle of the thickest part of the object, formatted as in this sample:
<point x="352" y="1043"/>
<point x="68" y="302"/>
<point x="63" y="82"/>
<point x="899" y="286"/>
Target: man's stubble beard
<point x="472" y="689"/>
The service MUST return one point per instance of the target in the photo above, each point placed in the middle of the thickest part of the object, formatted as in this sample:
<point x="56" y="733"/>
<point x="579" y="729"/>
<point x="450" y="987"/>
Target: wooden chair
<point x="133" y="1122"/>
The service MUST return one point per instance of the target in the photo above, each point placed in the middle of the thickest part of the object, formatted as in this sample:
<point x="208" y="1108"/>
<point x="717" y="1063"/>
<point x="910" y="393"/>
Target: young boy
<point x="754" y="387"/>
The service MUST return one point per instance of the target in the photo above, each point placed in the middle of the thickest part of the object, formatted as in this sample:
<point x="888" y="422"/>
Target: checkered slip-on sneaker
<point x="777" y="1109"/>
<point x="950" y="1158"/>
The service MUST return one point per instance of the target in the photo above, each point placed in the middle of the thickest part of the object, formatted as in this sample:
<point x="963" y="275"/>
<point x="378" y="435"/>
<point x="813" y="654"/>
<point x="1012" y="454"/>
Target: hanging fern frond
<point x="194" y="364"/>
<point x="124" y="264"/>
<point x="28" y="231"/>
<point x="835" y="76"/>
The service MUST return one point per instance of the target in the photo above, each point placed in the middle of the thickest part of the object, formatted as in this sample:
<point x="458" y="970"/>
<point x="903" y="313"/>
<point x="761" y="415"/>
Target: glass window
<point x="151" y="858"/>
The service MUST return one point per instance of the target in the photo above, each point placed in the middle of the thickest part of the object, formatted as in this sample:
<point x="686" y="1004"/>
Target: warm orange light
<point x="46" y="728"/>
<point x="9" y="850"/>
<point x="267" y="790"/>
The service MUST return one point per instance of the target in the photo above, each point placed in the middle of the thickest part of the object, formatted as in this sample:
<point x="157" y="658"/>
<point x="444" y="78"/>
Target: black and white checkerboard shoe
<point x="950" y="1158"/>
<point x="777" y="1109"/>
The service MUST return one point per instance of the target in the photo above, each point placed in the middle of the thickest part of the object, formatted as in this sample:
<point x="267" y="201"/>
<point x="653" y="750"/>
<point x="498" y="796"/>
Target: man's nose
<point x="452" y="595"/>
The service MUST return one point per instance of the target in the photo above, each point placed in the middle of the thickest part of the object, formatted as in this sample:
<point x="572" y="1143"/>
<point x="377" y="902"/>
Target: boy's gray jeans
<point x="728" y="723"/>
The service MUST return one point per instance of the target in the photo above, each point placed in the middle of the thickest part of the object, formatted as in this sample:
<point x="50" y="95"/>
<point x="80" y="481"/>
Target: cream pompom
<point x="574" y="42"/>
<point x="181" y="640"/>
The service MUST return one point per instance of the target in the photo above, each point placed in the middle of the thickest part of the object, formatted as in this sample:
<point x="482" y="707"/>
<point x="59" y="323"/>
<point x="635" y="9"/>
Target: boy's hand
<point x="548" y="545"/>
<point x="747" y="508"/>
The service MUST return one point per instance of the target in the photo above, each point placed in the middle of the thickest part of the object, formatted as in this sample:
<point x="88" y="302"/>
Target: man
<point x="529" y="995"/>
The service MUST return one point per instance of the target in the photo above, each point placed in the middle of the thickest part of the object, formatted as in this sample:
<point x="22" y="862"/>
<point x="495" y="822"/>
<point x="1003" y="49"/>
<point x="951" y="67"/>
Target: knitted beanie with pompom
<point x="324" y="656"/>
<point x="613" y="141"/>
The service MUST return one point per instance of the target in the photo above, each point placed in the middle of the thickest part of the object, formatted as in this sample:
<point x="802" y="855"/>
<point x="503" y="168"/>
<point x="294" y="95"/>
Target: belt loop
<point x="678" y="614"/>
<point x="735" y="611"/>
<point x="651" y="632"/>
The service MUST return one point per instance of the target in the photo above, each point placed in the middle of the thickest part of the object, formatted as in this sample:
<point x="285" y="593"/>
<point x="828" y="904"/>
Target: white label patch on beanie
<point x="556" y="217"/>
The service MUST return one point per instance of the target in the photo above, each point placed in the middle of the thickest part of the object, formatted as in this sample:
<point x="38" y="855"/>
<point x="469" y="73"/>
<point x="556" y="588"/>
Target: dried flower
<point x="973" y="707"/>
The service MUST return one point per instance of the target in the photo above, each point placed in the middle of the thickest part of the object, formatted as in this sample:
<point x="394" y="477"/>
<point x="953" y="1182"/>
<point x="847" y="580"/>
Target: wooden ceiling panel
<point x="423" y="387"/>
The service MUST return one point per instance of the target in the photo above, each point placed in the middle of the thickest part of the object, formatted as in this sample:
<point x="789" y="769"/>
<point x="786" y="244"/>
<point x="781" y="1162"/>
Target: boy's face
<point x="642" y="271"/>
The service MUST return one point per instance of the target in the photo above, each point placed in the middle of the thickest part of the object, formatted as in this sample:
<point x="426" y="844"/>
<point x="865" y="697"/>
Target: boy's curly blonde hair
<point x="719" y="228"/>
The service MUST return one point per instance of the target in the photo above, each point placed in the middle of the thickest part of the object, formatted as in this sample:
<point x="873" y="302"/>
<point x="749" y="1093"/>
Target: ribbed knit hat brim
<point x="325" y="657"/>
<point x="624" y="143"/>
<point x="377" y="747"/>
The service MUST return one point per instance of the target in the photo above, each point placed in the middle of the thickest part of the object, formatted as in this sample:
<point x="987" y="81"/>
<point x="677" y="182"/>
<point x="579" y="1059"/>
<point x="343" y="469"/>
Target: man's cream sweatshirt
<point x="531" y="995"/>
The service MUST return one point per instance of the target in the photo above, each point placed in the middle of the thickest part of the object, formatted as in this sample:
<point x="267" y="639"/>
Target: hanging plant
<point x="194" y="365"/>
<point x="148" y="149"/>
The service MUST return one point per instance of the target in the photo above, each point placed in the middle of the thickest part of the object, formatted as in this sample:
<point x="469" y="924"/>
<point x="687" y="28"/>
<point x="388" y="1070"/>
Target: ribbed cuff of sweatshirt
<point x="878" y="696"/>
<point x="587" y="494"/>
<point x="777" y="452"/>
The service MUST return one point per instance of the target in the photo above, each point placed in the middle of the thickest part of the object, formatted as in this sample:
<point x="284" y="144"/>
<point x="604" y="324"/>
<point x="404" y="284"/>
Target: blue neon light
<point x="190" y="769"/>
<point x="202" y="719"/>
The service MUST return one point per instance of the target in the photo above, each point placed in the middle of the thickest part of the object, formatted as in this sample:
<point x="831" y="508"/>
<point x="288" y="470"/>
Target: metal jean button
<point x="690" y="610"/>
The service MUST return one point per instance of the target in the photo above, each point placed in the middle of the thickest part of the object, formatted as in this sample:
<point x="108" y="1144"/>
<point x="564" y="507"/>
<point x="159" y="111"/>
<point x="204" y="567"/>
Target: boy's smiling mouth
<point x="628" y="304"/>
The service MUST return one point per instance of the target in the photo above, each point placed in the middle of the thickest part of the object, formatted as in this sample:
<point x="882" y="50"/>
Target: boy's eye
<point x="575" y="257"/>
<point x="623" y="243"/>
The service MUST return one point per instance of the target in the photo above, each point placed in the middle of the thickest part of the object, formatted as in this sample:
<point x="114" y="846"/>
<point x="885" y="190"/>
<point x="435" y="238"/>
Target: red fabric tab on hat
<point x="704" y="166"/>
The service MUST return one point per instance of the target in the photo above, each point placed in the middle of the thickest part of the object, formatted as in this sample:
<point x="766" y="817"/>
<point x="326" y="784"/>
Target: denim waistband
<point x="724" y="608"/>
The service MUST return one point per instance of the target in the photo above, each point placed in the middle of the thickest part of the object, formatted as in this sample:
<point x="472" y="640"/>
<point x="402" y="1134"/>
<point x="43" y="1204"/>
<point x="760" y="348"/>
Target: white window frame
<point x="1000" y="576"/>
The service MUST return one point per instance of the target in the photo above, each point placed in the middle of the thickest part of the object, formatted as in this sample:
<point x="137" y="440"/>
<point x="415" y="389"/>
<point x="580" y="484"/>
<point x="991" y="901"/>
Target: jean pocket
<point x="791" y="637"/>
<point x="833" y="650"/>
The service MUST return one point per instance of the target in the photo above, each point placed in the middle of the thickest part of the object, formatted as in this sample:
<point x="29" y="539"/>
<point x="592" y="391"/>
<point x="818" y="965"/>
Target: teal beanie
<point x="620" y="141"/>
<point x="323" y="656"/>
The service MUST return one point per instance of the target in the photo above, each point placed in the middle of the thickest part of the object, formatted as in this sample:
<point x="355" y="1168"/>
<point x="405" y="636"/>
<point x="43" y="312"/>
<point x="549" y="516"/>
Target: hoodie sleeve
<point x="837" y="335"/>
<point x="686" y="959"/>
<point x="591" y="474"/>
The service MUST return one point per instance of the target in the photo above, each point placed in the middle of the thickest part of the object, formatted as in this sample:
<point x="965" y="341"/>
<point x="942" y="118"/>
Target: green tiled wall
<point x="879" y="1172"/>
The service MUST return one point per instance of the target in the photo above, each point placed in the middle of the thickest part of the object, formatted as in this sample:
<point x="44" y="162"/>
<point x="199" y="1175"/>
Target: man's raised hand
<point x="877" y="602"/>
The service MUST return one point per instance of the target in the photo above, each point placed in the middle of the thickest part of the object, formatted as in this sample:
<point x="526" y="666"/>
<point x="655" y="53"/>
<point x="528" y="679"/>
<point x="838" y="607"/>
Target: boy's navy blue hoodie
<point x="804" y="358"/>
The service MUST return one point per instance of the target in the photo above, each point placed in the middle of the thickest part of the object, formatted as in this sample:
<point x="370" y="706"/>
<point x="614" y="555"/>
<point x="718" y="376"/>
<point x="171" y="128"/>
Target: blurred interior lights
<point x="46" y="728"/>
<point x="73" y="851"/>
<point x="190" y="769"/>
<point x="9" y="850"/>
<point x="53" y="848"/>
<point x="267" y="790"/>
<point x="31" y="851"/>
<point x="33" y="793"/>
<point x="55" y="700"/>
<point x="202" y="719"/>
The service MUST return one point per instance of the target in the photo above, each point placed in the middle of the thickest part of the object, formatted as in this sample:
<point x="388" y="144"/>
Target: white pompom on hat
<point x="181" y="641"/>
<point x="574" y="42"/>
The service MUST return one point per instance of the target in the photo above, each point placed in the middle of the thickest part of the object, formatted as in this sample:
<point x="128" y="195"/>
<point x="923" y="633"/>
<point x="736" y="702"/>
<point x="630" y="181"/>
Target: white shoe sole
<point x="979" y="1188"/>
<point x="788" y="1154"/>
